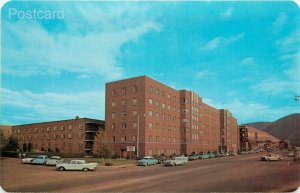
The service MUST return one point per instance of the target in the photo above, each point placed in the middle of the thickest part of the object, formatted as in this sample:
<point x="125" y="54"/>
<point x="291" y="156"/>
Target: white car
<point x="271" y="157"/>
<point x="175" y="161"/>
<point x="28" y="159"/>
<point x="76" y="165"/>
<point x="52" y="161"/>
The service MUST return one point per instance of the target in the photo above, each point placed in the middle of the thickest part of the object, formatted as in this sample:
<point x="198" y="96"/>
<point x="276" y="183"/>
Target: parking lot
<point x="235" y="173"/>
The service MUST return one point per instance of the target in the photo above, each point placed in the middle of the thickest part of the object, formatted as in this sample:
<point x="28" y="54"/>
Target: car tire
<point x="85" y="169"/>
<point x="146" y="164"/>
<point x="268" y="159"/>
<point x="61" y="169"/>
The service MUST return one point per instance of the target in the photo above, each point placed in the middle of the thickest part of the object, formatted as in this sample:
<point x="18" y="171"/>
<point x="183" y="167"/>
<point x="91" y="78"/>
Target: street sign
<point x="130" y="148"/>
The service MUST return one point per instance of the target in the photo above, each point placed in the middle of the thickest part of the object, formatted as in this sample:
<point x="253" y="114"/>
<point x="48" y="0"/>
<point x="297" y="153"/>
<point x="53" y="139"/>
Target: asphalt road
<point x="229" y="174"/>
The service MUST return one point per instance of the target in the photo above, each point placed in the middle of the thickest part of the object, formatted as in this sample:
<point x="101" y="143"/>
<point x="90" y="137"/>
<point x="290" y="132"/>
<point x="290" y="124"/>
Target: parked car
<point x="204" y="156"/>
<point x="291" y="154"/>
<point x="28" y="159"/>
<point x="160" y="158"/>
<point x="231" y="153"/>
<point x="53" y="160"/>
<point x="40" y="159"/>
<point x="146" y="161"/>
<point x="271" y="157"/>
<point x="76" y="165"/>
<point x="211" y="155"/>
<point x="193" y="157"/>
<point x="176" y="161"/>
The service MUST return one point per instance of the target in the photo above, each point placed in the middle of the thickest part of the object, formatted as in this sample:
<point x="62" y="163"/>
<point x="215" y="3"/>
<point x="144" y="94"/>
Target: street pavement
<point x="243" y="173"/>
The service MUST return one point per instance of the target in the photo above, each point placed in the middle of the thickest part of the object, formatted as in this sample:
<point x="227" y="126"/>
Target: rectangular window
<point x="163" y="105"/>
<point x="150" y="138"/>
<point x="80" y="126"/>
<point x="70" y="127"/>
<point x="134" y="113"/>
<point x="123" y="139"/>
<point x="169" y="107"/>
<point x="134" y="89"/>
<point x="150" y="113"/>
<point x="55" y="128"/>
<point x="157" y="103"/>
<point x="62" y="135"/>
<point x="150" y="89"/>
<point x="123" y="102"/>
<point x="35" y="130"/>
<point x="157" y="114"/>
<point x="113" y="115"/>
<point x="134" y="125"/>
<point x="150" y="125"/>
<point x="163" y="94"/>
<point x="123" y="114"/>
<point x="114" y="139"/>
<point x="169" y="96"/>
<point x="123" y="125"/>
<point x="123" y="91"/>
<point x="134" y="101"/>
<point x="113" y="126"/>
<point x="113" y="104"/>
<point x="70" y="135"/>
<point x="150" y="101"/>
<point x="157" y="92"/>
<point x="62" y="128"/>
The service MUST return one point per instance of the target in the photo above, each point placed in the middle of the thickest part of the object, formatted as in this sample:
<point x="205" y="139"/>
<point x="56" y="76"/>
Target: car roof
<point x="54" y="157"/>
<point x="147" y="157"/>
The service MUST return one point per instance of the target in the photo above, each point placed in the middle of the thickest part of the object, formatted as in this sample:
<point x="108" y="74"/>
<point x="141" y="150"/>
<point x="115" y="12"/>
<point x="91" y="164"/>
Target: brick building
<point x="74" y="136"/>
<point x="157" y="119"/>
<point x="252" y="138"/>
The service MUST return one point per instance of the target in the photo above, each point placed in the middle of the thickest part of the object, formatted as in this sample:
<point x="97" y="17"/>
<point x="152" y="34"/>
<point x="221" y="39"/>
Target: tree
<point x="12" y="144"/>
<point x="3" y="140"/>
<point x="101" y="146"/>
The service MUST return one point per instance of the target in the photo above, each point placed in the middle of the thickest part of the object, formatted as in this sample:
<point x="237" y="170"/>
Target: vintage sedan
<point x="40" y="159"/>
<point x="81" y="165"/>
<point x="53" y="160"/>
<point x="146" y="161"/>
<point x="28" y="159"/>
<point x="204" y="156"/>
<point x="176" y="161"/>
<point x="271" y="157"/>
<point x="193" y="157"/>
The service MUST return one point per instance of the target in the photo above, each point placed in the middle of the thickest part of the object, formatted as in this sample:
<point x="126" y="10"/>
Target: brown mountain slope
<point x="259" y="125"/>
<point x="287" y="127"/>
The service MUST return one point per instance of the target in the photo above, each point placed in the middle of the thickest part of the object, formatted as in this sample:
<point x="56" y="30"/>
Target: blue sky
<point x="243" y="56"/>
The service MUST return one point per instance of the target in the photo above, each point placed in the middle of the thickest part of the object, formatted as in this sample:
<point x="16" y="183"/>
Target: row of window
<point x="150" y="139"/>
<point x="150" y="126"/>
<point x="55" y="136"/>
<point x="150" y="114"/>
<point x="124" y="90"/>
<point x="48" y="129"/>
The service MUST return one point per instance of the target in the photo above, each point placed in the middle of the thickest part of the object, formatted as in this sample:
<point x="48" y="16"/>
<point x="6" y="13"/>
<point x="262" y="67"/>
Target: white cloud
<point x="227" y="13"/>
<point x="273" y="86"/>
<point x="52" y="106"/>
<point x="249" y="111"/>
<point x="280" y="20"/>
<point x="223" y="41"/>
<point x="290" y="54"/>
<point x="90" y="44"/>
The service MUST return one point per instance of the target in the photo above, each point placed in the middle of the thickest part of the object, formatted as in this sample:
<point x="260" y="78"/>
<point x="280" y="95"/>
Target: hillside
<point x="259" y="125"/>
<point x="285" y="128"/>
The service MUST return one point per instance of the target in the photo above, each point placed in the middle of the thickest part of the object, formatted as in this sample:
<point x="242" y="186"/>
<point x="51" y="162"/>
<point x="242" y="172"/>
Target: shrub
<point x="109" y="164"/>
